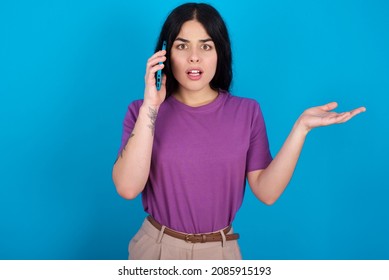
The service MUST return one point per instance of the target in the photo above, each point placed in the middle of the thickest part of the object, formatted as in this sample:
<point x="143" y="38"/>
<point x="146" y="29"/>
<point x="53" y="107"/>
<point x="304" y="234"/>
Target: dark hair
<point x="213" y="23"/>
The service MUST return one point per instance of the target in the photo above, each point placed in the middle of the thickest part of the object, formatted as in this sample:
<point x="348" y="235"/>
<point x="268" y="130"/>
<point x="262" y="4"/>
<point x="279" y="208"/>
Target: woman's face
<point x="193" y="58"/>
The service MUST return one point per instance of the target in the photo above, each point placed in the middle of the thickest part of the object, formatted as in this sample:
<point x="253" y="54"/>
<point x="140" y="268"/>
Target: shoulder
<point x="242" y="103"/>
<point x="135" y="105"/>
<point x="133" y="110"/>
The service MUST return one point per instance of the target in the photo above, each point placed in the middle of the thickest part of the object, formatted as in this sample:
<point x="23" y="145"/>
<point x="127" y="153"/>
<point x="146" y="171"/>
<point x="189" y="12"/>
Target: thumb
<point x="329" y="106"/>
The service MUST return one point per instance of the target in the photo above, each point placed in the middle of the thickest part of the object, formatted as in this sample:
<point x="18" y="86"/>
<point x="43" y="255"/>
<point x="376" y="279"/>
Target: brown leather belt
<point x="195" y="238"/>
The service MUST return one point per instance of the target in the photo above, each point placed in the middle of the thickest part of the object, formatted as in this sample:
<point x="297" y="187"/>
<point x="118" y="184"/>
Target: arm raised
<point x="132" y="167"/>
<point x="268" y="184"/>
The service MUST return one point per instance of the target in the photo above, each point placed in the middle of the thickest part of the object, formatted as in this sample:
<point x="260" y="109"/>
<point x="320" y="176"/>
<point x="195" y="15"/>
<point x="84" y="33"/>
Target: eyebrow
<point x="187" y="41"/>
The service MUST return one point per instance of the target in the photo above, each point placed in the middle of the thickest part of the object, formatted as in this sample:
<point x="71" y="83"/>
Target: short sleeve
<point x="129" y="122"/>
<point x="258" y="156"/>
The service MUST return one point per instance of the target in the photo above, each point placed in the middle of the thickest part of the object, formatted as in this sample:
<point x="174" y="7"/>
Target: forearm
<point x="269" y="184"/>
<point x="272" y="181"/>
<point x="131" y="170"/>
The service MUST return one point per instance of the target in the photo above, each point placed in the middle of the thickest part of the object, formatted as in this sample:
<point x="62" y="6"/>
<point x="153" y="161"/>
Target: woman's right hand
<point x="132" y="169"/>
<point x="152" y="96"/>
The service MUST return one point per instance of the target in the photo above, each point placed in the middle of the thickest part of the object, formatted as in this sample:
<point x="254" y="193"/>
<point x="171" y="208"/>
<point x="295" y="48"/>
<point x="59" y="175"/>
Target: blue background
<point x="68" y="70"/>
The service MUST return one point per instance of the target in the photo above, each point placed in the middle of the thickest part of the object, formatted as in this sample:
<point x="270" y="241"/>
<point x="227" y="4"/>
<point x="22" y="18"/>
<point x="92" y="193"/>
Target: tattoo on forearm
<point x="124" y="148"/>
<point x="153" y="117"/>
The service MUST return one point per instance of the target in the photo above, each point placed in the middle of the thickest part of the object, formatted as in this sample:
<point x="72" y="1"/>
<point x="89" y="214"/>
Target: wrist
<point x="300" y="128"/>
<point x="147" y="107"/>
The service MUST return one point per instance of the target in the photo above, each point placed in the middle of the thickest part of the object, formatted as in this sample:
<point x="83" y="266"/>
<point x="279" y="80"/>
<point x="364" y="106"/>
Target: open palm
<point x="323" y="116"/>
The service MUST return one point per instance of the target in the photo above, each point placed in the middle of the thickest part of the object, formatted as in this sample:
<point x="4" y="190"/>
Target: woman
<point x="189" y="147"/>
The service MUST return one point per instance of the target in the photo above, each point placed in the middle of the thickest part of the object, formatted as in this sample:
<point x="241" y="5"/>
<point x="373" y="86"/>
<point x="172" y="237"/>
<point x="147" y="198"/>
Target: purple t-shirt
<point x="200" y="159"/>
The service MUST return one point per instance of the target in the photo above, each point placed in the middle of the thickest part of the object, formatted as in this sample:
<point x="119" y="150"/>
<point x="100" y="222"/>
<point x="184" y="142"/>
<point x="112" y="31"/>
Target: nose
<point x="194" y="57"/>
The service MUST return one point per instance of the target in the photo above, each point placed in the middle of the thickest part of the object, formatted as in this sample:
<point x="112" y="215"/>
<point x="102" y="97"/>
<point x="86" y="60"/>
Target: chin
<point x="195" y="86"/>
<point x="196" y="89"/>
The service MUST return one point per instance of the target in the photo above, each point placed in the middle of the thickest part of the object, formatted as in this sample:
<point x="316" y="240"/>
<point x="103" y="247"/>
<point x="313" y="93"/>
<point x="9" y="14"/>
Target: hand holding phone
<point x="159" y="72"/>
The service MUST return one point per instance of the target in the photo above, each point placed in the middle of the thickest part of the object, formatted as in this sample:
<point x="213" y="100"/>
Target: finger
<point x="163" y="80"/>
<point x="353" y="113"/>
<point x="155" y="61"/>
<point x="335" y="118"/>
<point x="158" y="53"/>
<point x="343" y="117"/>
<point x="328" y="107"/>
<point x="157" y="67"/>
<point x="150" y="75"/>
<point x="332" y="115"/>
<point x="358" y="110"/>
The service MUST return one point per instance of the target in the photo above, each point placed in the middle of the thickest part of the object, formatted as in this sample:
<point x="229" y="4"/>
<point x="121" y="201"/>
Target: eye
<point x="206" y="47"/>
<point x="181" y="46"/>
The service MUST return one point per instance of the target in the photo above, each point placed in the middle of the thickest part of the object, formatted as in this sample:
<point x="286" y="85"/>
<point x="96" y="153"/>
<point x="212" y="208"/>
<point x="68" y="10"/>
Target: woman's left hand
<point x="321" y="116"/>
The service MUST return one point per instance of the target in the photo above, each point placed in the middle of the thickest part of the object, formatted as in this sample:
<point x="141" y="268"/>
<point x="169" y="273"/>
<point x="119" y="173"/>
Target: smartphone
<point x="159" y="72"/>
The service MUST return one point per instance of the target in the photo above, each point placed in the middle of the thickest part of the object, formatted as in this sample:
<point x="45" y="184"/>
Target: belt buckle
<point x="202" y="238"/>
<point x="187" y="238"/>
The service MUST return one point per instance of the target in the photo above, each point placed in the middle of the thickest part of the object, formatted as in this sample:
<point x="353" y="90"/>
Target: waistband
<point x="196" y="238"/>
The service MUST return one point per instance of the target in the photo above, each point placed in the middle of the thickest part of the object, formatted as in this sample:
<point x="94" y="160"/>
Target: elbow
<point x="268" y="200"/>
<point x="124" y="189"/>
<point x="126" y="193"/>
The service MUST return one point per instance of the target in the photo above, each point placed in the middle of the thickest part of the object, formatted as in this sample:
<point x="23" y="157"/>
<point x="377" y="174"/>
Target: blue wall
<point x="68" y="69"/>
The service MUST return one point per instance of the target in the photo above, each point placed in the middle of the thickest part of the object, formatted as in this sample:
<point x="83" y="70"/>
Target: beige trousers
<point x="151" y="244"/>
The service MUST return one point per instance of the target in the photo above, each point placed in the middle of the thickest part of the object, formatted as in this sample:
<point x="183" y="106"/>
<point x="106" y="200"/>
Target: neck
<point x="196" y="98"/>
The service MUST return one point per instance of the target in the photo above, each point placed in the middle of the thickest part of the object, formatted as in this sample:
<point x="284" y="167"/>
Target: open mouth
<point x="194" y="74"/>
